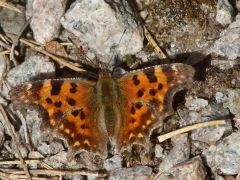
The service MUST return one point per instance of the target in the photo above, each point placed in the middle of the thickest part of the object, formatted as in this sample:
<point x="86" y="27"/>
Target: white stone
<point x="45" y="21"/>
<point x="109" y="28"/>
<point x="227" y="155"/>
<point x="196" y="104"/>
<point x="225" y="12"/>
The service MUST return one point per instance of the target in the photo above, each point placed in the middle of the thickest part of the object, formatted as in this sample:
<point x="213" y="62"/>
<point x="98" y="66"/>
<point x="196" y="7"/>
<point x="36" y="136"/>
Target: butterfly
<point x="122" y="111"/>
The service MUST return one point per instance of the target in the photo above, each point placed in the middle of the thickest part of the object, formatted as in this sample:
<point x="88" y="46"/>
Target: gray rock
<point x="86" y="159"/>
<point x="109" y="28"/>
<point x="179" y="153"/>
<point x="209" y="113"/>
<point x="158" y="151"/>
<point x="45" y="21"/>
<point x="216" y="177"/>
<point x="35" y="155"/>
<point x="12" y="21"/>
<point x="225" y="12"/>
<point x="227" y="155"/>
<point x="56" y="147"/>
<point x="61" y="161"/>
<point x="77" y="177"/>
<point x="34" y="66"/>
<point x="221" y="98"/>
<point x="189" y="170"/>
<point x="113" y="163"/>
<point x="211" y="133"/>
<point x="233" y="102"/>
<point x="196" y="104"/>
<point x="133" y="173"/>
<point x="228" y="44"/>
<point x="22" y="148"/>
<point x="44" y="148"/>
<point x="236" y="119"/>
<point x="50" y="149"/>
<point x="208" y="155"/>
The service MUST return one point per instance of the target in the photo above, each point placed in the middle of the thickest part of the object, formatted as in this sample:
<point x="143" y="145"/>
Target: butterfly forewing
<point x="150" y="92"/>
<point x="66" y="107"/>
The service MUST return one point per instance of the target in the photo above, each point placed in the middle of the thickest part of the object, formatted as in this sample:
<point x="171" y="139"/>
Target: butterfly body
<point x="87" y="114"/>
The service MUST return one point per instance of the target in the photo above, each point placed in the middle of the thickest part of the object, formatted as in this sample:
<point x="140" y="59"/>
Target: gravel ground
<point x="204" y="34"/>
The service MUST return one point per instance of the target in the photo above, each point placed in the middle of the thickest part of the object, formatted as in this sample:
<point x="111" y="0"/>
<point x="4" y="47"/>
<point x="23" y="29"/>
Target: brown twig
<point x="15" y="42"/>
<point x="4" y="52"/>
<point x="9" y="176"/>
<point x="54" y="172"/>
<point x="6" y="5"/>
<point x="4" y="69"/>
<point x="15" y="142"/>
<point x="8" y="47"/>
<point x="157" y="49"/>
<point x="189" y="128"/>
<point x="60" y="60"/>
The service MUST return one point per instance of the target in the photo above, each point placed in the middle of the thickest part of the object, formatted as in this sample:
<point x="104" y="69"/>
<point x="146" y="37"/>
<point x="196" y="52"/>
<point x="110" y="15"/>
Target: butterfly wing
<point x="65" y="107"/>
<point x="150" y="92"/>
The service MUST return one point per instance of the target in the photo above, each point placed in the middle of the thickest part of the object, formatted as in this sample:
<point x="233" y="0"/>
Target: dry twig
<point x="4" y="52"/>
<point x="4" y="67"/>
<point x="6" y="5"/>
<point x="60" y="60"/>
<point x="150" y="39"/>
<point x="189" y="128"/>
<point x="15" y="142"/>
<point x="53" y="172"/>
<point x="15" y="42"/>
<point x="6" y="46"/>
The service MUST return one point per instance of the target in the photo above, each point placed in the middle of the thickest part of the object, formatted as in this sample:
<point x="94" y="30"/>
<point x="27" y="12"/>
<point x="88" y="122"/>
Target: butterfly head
<point x="104" y="73"/>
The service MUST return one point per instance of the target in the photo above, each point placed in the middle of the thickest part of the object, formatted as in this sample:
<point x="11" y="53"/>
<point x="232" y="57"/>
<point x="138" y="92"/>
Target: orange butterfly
<point x="89" y="114"/>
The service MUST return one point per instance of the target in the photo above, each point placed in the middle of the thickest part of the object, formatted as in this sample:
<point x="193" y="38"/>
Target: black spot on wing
<point x="152" y="92"/>
<point x="82" y="115"/>
<point x="72" y="102"/>
<point x="75" y="113"/>
<point x="150" y="73"/>
<point x="83" y="126"/>
<point x="56" y="87"/>
<point x="140" y="93"/>
<point x="139" y="105"/>
<point x="135" y="80"/>
<point x="133" y="120"/>
<point x="132" y="110"/>
<point x="73" y="89"/>
<point x="58" y="104"/>
<point x="49" y="100"/>
<point x="160" y="86"/>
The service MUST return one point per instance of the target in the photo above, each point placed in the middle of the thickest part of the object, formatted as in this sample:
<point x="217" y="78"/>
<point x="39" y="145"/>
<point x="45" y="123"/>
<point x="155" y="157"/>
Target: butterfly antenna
<point x="130" y="39"/>
<point x="84" y="54"/>
<point x="98" y="63"/>
<point x="118" y="44"/>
